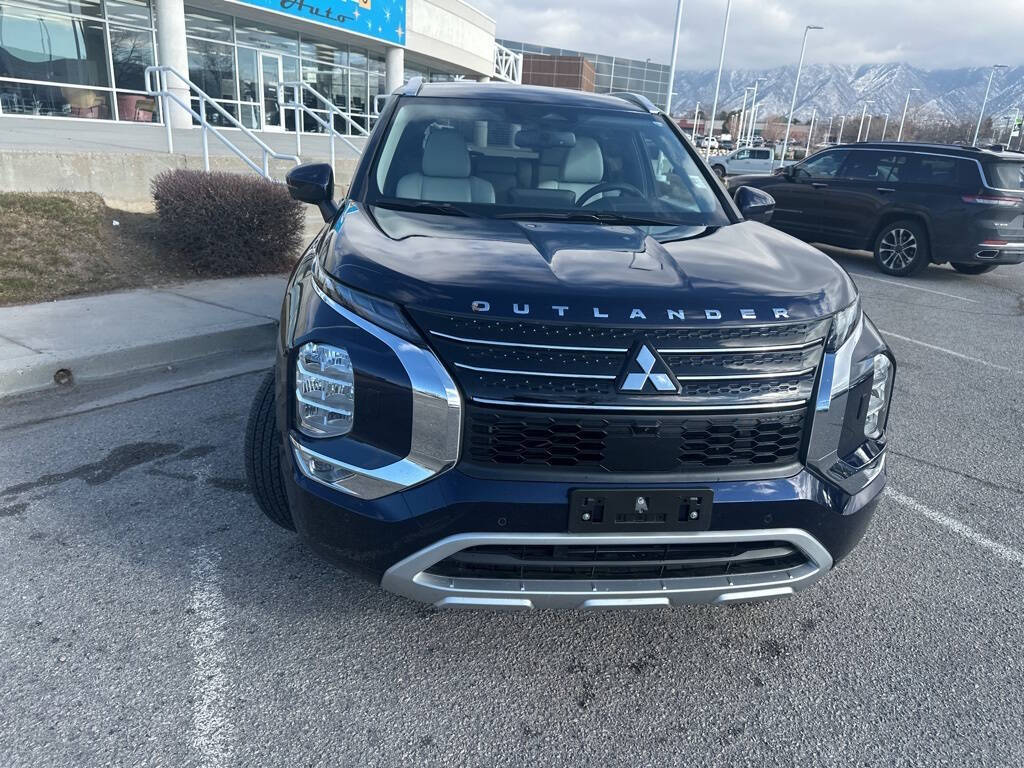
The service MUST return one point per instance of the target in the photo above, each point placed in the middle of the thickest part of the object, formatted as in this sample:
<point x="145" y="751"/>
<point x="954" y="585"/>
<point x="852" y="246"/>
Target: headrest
<point x="584" y="162"/>
<point x="491" y="164"/>
<point x="446" y="155"/>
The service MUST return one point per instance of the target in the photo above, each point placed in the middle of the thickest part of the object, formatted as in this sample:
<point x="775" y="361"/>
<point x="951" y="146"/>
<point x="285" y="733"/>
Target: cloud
<point x="767" y="33"/>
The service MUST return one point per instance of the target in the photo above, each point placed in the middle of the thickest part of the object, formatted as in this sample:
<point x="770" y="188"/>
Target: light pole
<point x="810" y="131"/>
<point x="753" y="124"/>
<point x="884" y="126"/>
<point x="984" y="102"/>
<point x="1013" y="124"/>
<point x="753" y="107"/>
<point x="743" y="117"/>
<point x="693" y="130"/>
<point x="828" y="136"/>
<point x="867" y="131"/>
<point x="675" y="52"/>
<point x="863" y="112"/>
<point x="718" y="80"/>
<point x="904" y="118"/>
<point x="796" y="85"/>
<point x="842" y="124"/>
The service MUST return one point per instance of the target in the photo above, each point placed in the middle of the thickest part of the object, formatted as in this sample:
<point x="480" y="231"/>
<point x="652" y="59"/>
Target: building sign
<point x="379" y="19"/>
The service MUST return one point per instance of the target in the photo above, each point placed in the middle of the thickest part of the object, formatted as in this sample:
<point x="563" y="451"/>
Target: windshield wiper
<point x="601" y="217"/>
<point x="421" y="206"/>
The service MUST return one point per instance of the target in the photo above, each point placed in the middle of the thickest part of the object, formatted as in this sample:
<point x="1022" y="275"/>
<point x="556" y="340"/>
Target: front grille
<point x="631" y="443"/>
<point x="549" y="394"/>
<point x="618" y="561"/>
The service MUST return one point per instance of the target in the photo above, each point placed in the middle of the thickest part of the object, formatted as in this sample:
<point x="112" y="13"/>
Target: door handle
<point x="818" y="184"/>
<point x="885" y="189"/>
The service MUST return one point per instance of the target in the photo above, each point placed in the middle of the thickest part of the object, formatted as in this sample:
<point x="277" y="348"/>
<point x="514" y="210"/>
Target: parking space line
<point x="910" y="286"/>
<point x="1007" y="553"/>
<point x="211" y="728"/>
<point x="962" y="356"/>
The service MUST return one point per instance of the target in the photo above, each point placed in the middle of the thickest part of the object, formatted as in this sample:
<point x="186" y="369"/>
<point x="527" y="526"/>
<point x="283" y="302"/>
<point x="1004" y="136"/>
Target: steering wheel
<point x="608" y="186"/>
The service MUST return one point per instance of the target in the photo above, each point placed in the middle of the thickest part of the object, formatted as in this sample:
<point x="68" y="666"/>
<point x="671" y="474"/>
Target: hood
<point x="582" y="272"/>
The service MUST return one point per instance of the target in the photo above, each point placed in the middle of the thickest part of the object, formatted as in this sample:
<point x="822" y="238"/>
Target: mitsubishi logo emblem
<point x="646" y="372"/>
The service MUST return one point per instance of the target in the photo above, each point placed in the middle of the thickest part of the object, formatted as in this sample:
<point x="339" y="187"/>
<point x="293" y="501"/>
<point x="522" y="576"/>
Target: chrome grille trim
<point x="535" y="373"/>
<point x="524" y="345"/>
<point x="645" y="408"/>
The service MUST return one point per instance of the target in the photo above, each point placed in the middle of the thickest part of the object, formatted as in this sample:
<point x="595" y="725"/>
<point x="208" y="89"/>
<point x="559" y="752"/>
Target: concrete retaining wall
<point x="121" y="179"/>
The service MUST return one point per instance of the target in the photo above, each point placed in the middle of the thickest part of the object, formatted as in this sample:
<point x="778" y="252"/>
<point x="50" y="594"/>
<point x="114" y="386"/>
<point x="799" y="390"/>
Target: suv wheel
<point x="263" y="458"/>
<point x="972" y="269"/>
<point x="901" y="248"/>
<point x="719" y="170"/>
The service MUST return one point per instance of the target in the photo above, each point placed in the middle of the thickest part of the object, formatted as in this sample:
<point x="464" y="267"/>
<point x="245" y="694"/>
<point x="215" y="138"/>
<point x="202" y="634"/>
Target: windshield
<point x="1006" y="175"/>
<point x="515" y="160"/>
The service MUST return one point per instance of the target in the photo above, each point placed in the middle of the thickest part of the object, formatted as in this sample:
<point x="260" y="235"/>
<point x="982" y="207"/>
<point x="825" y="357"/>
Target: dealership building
<point x="86" y="59"/>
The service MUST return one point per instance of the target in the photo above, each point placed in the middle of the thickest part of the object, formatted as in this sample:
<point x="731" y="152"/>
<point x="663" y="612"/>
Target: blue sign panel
<point x="380" y="19"/>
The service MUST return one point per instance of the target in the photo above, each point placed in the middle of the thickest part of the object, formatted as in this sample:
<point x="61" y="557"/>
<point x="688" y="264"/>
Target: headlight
<point x="380" y="312"/>
<point x="324" y="391"/>
<point x="878" y="404"/>
<point x="843" y="323"/>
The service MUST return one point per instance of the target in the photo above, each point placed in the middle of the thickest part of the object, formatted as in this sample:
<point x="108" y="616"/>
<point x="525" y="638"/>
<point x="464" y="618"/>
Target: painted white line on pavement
<point x="1007" y="553"/>
<point x="962" y="356"/>
<point x="912" y="287"/>
<point x="211" y="728"/>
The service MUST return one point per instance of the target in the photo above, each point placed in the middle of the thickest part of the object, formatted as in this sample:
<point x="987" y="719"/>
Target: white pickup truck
<point x="745" y="161"/>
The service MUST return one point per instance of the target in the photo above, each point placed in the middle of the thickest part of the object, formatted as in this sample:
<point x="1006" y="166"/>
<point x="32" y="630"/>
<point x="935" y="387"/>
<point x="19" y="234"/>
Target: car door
<point x="867" y="184"/>
<point x="760" y="161"/>
<point x="737" y="163"/>
<point x="798" y="193"/>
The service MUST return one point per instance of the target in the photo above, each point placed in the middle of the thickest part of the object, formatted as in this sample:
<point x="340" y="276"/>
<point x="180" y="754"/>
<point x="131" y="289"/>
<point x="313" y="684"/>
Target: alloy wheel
<point x="898" y="249"/>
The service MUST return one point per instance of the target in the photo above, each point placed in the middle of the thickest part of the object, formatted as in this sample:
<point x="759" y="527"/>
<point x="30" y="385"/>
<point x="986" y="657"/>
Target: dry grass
<point x="62" y="244"/>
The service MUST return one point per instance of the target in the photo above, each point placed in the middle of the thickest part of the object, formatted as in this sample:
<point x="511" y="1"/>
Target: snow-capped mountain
<point x="836" y="89"/>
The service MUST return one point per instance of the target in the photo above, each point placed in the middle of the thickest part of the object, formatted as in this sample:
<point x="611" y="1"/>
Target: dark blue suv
<point x="538" y="357"/>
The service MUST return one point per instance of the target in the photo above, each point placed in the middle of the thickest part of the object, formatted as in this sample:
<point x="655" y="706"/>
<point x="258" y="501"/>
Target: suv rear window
<point x="1005" y="175"/>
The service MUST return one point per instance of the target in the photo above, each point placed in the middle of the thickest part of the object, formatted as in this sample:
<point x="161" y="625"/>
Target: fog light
<point x="878" y="404"/>
<point x="324" y="390"/>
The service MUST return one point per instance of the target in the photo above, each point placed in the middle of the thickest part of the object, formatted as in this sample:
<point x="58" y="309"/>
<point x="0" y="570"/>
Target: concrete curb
<point x="33" y="373"/>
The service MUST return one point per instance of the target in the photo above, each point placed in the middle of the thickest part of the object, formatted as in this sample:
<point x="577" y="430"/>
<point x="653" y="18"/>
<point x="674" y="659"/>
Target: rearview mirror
<point x="754" y="204"/>
<point x="313" y="183"/>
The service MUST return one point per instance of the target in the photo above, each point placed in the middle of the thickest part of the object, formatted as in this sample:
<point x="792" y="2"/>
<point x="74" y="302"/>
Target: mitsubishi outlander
<point x="539" y="358"/>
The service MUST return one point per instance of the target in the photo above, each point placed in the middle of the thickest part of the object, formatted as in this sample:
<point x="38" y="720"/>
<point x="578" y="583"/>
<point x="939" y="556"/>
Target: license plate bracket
<point x="635" y="510"/>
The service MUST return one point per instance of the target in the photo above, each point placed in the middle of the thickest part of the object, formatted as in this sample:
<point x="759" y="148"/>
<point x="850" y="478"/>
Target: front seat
<point x="582" y="168"/>
<point x="446" y="173"/>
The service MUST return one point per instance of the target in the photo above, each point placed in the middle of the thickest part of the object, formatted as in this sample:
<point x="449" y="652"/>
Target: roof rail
<point x="635" y="98"/>
<point x="411" y="88"/>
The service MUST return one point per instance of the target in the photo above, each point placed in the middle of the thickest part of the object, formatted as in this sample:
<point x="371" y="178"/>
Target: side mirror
<point x="754" y="204"/>
<point x="313" y="183"/>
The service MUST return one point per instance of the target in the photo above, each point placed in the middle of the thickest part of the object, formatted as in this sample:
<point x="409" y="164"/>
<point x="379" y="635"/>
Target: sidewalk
<point x="99" y="337"/>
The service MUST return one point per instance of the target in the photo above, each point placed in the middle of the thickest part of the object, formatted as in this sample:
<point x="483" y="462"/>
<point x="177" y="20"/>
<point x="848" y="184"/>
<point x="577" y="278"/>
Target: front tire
<point x="901" y="248"/>
<point x="972" y="269"/>
<point x="263" y="456"/>
<point x="719" y="170"/>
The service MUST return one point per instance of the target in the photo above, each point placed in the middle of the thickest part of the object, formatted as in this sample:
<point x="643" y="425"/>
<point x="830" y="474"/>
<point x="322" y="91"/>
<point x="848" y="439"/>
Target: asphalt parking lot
<point x="149" y="615"/>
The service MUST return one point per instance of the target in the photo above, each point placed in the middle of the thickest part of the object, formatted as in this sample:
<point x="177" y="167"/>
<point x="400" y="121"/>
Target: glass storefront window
<point x="327" y="53"/>
<point x="357" y="92"/>
<point x="77" y="7"/>
<point x="40" y="46"/>
<point x="211" y="66"/>
<point x="214" y="26"/>
<point x="54" y="101"/>
<point x="134" y="12"/>
<point x="357" y="58"/>
<point x="248" y="77"/>
<point x="260" y="36"/>
<point x="137" y="108"/>
<point x="131" y="51"/>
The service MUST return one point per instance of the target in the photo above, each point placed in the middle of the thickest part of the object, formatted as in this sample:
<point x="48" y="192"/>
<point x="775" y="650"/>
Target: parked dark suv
<point x="912" y="204"/>
<point x="538" y="357"/>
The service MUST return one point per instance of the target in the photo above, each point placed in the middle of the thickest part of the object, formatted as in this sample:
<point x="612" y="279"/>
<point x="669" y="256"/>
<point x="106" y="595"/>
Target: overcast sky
<point x="934" y="34"/>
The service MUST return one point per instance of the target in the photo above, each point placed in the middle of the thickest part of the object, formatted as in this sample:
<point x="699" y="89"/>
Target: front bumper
<point x="395" y="539"/>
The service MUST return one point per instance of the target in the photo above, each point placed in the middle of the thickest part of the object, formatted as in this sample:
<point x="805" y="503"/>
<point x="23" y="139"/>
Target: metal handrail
<point x="165" y="95"/>
<point x="298" y="104"/>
